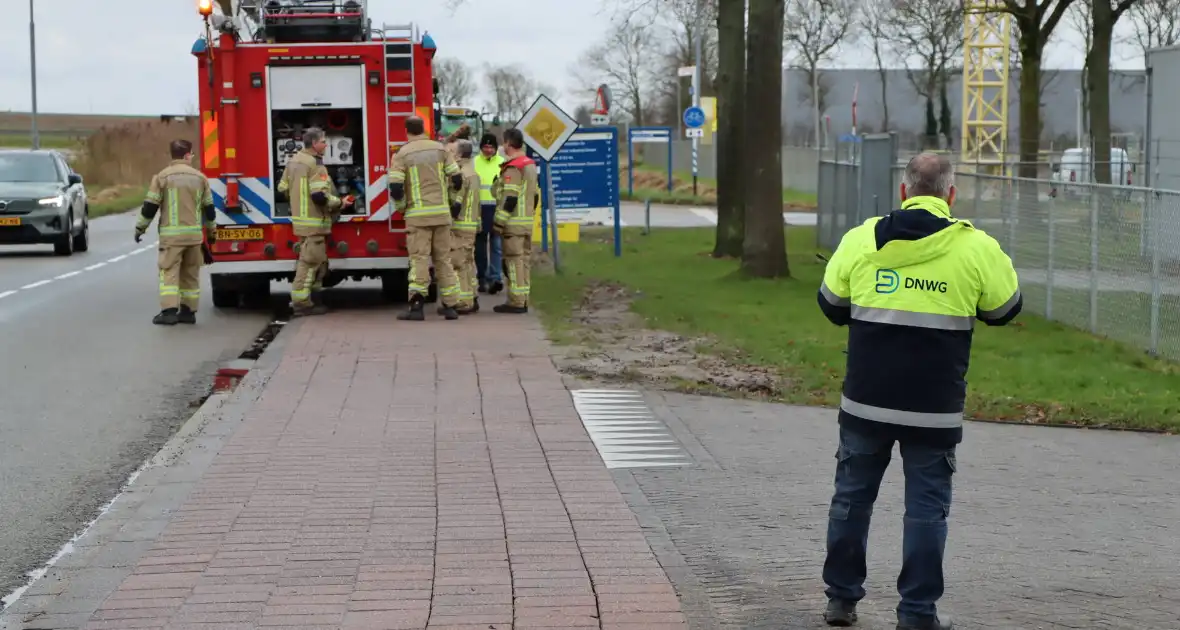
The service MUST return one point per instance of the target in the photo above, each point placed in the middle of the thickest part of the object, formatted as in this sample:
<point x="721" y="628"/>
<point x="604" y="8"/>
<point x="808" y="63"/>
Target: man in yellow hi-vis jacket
<point x="909" y="286"/>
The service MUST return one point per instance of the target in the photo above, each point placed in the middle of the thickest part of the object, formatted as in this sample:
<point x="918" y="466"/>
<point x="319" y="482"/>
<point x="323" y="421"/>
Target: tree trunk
<point x="944" y="114"/>
<point x="931" y="135"/>
<point x="764" y="252"/>
<point x="1098" y="84"/>
<point x="884" y="74"/>
<point x="1030" y="103"/>
<point x="731" y="86"/>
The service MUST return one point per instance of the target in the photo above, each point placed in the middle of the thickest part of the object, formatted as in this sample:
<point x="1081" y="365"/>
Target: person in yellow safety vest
<point x="419" y="174"/>
<point x="463" y="231"/>
<point x="314" y="209"/>
<point x="518" y="196"/>
<point x="189" y="216"/>
<point x="909" y="286"/>
<point x="489" y="251"/>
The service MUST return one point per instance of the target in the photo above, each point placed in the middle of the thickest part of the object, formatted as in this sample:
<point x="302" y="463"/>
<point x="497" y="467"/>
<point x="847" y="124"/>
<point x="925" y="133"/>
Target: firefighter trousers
<point x="426" y="245"/>
<point x="518" y="250"/>
<point x="463" y="262"/>
<point x="180" y="276"/>
<point x="310" y="269"/>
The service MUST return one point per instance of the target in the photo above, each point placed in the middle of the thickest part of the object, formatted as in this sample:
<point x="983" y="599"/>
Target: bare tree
<point x="455" y="83"/>
<point x="731" y="90"/>
<point x="1106" y="14"/>
<point x="1156" y="23"/>
<point x="512" y="89"/>
<point x="764" y="250"/>
<point x="873" y="21"/>
<point x="812" y="31"/>
<point x="1035" y="22"/>
<point x="925" y="34"/>
<point x="628" y="60"/>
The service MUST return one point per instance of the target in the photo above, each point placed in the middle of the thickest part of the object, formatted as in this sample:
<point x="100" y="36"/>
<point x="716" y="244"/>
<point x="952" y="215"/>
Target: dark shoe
<point x="840" y="613"/>
<point x="496" y="287"/>
<point x="414" y="313"/>
<point x="449" y="312"/>
<point x="930" y="623"/>
<point x="507" y="308"/>
<point x="483" y="286"/>
<point x="468" y="310"/>
<point x="186" y="316"/>
<point x="166" y="317"/>
<point x="308" y="310"/>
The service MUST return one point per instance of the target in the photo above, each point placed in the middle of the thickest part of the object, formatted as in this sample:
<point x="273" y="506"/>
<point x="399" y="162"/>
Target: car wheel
<point x="65" y="243"/>
<point x="82" y="240"/>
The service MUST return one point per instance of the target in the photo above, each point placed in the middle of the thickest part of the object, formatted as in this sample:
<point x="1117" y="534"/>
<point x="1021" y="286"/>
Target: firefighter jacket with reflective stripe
<point x="489" y="170"/>
<point x="182" y="194"/>
<point x="910" y="286"/>
<point x="518" y="180"/>
<point x="304" y="181"/>
<point x="424" y="167"/>
<point x="468" y="196"/>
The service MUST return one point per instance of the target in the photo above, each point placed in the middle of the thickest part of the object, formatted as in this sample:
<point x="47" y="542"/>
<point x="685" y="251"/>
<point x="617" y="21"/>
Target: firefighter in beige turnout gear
<point x="464" y="228"/>
<point x="314" y="209"/>
<point x="517" y="197"/>
<point x="184" y="195"/>
<point x="419" y="174"/>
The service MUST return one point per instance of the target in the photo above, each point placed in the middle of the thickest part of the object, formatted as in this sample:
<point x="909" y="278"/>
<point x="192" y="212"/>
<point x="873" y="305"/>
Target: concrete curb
<point x="68" y="588"/>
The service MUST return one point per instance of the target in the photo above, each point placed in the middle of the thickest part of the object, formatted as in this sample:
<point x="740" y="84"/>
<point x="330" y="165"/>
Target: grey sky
<point x="98" y="56"/>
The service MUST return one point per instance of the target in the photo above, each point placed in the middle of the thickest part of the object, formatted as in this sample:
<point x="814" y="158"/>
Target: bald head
<point x="929" y="175"/>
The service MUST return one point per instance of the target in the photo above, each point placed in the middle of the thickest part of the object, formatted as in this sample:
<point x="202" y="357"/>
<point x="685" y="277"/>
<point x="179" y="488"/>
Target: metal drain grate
<point x="625" y="432"/>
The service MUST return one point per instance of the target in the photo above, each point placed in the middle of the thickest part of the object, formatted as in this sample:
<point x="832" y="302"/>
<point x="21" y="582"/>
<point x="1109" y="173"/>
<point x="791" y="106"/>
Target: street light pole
<point x="33" y="70"/>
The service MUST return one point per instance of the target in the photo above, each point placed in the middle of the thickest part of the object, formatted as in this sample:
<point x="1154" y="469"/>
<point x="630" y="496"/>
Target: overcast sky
<point x="96" y="56"/>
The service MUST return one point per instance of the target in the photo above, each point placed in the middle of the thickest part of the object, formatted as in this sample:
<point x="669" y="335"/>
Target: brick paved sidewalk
<point x="400" y="475"/>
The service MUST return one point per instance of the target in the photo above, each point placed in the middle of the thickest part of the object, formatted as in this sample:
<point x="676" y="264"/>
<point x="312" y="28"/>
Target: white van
<point x="1074" y="168"/>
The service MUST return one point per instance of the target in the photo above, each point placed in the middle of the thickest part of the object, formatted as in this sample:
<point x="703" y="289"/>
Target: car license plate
<point x="11" y="221"/>
<point x="239" y="234"/>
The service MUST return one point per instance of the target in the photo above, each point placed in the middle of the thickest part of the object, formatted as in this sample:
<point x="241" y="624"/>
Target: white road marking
<point x="706" y="214"/>
<point x="71" y="274"/>
<point x="624" y="430"/>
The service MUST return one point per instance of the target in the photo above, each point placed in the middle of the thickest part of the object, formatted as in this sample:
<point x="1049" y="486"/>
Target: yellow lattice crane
<point x="987" y="33"/>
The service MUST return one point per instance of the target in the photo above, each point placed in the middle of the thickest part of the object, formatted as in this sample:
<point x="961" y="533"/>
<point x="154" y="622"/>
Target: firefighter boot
<point x="307" y="310"/>
<point x="167" y="317"/>
<point x="508" y="308"/>
<point x="414" y="313"/>
<point x="186" y="315"/>
<point x="474" y="308"/>
<point x="449" y="312"/>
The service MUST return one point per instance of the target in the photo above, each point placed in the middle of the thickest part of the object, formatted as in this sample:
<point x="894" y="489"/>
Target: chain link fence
<point x="1101" y="258"/>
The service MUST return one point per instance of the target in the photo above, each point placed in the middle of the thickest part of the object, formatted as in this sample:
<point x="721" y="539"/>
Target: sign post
<point x="650" y="135"/>
<point x="694" y="123"/>
<point x="546" y="128"/>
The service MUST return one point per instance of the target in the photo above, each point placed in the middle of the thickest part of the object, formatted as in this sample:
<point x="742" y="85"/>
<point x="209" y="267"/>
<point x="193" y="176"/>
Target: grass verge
<point x="24" y="141"/>
<point x="116" y="199"/>
<point x="1033" y="371"/>
<point x="651" y="182"/>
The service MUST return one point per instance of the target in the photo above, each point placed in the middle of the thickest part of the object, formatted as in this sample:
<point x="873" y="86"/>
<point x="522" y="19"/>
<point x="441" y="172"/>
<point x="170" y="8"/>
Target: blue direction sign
<point x="585" y="174"/>
<point x="694" y="117"/>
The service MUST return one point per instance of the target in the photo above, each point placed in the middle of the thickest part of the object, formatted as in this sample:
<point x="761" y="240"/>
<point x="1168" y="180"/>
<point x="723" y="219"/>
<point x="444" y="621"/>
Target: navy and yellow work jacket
<point x="910" y="286"/>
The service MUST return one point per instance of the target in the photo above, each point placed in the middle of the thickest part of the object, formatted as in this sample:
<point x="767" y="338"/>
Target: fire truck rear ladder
<point x="400" y="97"/>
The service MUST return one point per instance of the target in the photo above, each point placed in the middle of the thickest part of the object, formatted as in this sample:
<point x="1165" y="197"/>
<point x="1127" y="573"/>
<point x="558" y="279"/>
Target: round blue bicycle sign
<point x="694" y="117"/>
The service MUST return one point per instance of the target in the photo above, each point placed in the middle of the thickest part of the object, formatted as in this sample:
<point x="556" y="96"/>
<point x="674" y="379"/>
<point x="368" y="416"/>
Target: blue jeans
<point x="488" y="267"/>
<point x="862" y="458"/>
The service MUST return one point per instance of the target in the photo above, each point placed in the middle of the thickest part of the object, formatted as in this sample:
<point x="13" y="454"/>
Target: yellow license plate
<point x="9" y="220"/>
<point x="249" y="234"/>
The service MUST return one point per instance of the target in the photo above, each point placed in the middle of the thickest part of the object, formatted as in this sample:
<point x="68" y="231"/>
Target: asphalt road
<point x="90" y="388"/>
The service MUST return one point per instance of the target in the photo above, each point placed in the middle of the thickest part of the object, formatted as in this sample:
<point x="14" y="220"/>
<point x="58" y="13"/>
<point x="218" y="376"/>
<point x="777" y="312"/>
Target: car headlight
<point x="53" y="201"/>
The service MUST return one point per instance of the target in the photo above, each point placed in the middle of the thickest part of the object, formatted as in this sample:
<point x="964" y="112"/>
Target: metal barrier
<point x="1101" y="258"/>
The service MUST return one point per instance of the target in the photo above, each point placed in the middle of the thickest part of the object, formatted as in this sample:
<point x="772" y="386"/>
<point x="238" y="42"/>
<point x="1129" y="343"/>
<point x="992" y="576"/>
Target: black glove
<point x="206" y="255"/>
<point x="138" y="235"/>
<point x="456" y="208"/>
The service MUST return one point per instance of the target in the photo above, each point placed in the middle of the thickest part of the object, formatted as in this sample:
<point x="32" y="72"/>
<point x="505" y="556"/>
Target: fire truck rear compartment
<point x="344" y="157"/>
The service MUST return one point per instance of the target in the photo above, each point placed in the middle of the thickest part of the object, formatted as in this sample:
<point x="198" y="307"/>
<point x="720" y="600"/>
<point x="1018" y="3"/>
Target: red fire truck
<point x="273" y="69"/>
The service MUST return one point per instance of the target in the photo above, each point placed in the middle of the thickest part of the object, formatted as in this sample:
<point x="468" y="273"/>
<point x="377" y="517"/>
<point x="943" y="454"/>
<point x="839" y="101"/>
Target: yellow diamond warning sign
<point x="546" y="127"/>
